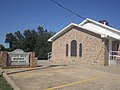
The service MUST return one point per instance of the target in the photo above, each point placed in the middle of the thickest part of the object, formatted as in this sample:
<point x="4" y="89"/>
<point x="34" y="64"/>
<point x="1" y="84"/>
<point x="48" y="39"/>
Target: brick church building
<point x="89" y="42"/>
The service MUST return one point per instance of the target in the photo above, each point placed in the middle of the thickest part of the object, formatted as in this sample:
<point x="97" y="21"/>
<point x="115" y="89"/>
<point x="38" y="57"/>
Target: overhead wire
<point x="79" y="17"/>
<point x="68" y="9"/>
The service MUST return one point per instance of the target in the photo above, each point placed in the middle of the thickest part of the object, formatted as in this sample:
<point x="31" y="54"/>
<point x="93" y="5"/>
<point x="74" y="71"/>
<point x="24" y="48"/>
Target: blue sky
<point x="28" y="14"/>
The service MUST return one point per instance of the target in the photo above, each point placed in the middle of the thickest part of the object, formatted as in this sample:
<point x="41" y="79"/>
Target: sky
<point x="20" y="15"/>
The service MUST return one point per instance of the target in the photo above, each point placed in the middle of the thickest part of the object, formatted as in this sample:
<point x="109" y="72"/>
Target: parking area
<point x="50" y="76"/>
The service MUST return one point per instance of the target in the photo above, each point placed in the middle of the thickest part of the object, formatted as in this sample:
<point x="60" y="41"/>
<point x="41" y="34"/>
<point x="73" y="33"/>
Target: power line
<point x="68" y="9"/>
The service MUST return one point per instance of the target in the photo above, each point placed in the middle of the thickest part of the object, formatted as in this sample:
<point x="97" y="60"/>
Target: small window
<point x="66" y="49"/>
<point x="74" y="48"/>
<point x="80" y="50"/>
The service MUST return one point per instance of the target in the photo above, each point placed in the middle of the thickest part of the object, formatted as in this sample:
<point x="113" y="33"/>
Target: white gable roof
<point x="93" y="26"/>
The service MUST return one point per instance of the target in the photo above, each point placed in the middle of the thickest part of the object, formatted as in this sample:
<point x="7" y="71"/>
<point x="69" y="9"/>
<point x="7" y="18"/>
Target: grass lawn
<point x="4" y="85"/>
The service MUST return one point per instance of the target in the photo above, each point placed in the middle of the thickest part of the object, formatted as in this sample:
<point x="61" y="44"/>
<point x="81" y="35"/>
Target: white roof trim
<point x="81" y="26"/>
<point x="100" y="24"/>
<point x="69" y="26"/>
<point x="60" y="32"/>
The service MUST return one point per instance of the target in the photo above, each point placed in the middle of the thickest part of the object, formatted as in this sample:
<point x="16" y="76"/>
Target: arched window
<point x="66" y="49"/>
<point x="74" y="48"/>
<point x="80" y="50"/>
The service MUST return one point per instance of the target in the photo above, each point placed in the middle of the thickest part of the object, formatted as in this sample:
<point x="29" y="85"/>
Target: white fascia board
<point x="105" y="26"/>
<point x="87" y="20"/>
<point x="112" y="30"/>
<point x="101" y="30"/>
<point x="81" y="25"/>
<point x="97" y="32"/>
<point x="60" y="32"/>
<point x="71" y="25"/>
<point x="83" y="22"/>
<point x="104" y="36"/>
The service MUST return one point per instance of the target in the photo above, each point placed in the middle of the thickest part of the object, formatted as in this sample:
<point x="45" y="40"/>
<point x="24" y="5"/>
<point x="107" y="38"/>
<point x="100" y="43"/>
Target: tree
<point x="19" y="38"/>
<point x="40" y="30"/>
<point x="31" y="41"/>
<point x="104" y="22"/>
<point x="10" y="39"/>
<point x="2" y="48"/>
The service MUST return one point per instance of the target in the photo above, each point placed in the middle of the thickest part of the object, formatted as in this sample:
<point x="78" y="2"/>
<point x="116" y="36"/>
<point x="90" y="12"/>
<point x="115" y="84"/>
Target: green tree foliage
<point x="10" y="38"/>
<point x="104" y="22"/>
<point x="19" y="38"/>
<point x="31" y="41"/>
<point x="2" y="48"/>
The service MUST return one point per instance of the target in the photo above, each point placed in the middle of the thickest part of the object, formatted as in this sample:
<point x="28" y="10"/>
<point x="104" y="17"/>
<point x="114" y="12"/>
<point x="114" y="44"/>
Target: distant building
<point x="88" y="42"/>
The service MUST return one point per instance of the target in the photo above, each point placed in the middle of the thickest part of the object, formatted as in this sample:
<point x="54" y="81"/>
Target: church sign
<point x="18" y="57"/>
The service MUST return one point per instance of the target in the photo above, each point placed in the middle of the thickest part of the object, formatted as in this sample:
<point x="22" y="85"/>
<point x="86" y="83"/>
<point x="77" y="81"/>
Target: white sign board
<point x="18" y="57"/>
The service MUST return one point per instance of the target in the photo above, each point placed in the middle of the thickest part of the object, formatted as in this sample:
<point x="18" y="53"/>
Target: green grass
<point x="4" y="85"/>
